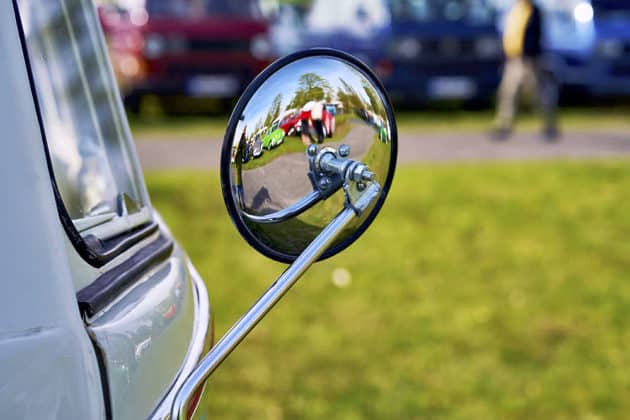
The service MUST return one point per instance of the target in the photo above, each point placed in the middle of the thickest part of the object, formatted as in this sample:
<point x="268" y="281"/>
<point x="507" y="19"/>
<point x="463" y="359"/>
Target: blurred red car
<point x="327" y="121"/>
<point x="291" y="121"/>
<point x="192" y="48"/>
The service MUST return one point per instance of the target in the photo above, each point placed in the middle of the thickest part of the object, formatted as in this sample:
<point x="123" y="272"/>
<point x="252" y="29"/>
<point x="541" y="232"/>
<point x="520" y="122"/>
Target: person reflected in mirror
<point x="525" y="70"/>
<point x="311" y="117"/>
<point x="242" y="145"/>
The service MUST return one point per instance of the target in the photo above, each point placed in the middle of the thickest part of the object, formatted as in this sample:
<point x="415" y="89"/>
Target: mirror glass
<point x="318" y="98"/>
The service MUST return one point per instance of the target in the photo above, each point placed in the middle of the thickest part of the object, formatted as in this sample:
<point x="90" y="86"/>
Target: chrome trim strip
<point x="200" y="333"/>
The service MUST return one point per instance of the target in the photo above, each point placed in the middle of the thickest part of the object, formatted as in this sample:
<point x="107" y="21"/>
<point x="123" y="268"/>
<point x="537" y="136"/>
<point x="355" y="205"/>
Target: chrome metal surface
<point x="201" y="329"/>
<point x="331" y="162"/>
<point x="359" y="196"/>
<point x="144" y="337"/>
<point x="267" y="301"/>
<point x="317" y="101"/>
<point x="328" y="172"/>
<point x="285" y="214"/>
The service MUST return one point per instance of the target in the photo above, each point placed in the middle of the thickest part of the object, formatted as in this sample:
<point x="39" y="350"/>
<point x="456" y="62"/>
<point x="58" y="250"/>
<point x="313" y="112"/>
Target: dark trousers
<point x="526" y="75"/>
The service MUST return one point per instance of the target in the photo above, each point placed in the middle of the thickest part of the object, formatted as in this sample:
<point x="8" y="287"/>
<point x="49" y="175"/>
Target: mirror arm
<point x="354" y="207"/>
<point x="301" y="206"/>
<point x="330" y="170"/>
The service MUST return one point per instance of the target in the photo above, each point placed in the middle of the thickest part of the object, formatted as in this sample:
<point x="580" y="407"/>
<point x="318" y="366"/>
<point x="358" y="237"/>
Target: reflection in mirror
<point x="310" y="106"/>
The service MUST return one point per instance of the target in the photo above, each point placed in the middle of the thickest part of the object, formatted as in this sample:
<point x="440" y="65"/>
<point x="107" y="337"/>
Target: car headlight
<point x="488" y="46"/>
<point x="406" y="48"/>
<point x="156" y="45"/>
<point x="583" y="12"/>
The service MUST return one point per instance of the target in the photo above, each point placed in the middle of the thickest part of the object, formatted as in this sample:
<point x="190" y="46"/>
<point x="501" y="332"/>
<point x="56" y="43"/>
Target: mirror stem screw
<point x="311" y="150"/>
<point x="367" y="175"/>
<point x="344" y="150"/>
<point x="324" y="183"/>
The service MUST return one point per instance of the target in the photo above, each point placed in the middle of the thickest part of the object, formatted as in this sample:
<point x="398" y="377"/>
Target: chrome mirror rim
<point x="231" y="129"/>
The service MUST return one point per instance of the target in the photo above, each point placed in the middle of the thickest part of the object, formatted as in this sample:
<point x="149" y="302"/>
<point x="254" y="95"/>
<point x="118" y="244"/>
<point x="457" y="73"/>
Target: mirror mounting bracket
<point x="326" y="184"/>
<point x="331" y="169"/>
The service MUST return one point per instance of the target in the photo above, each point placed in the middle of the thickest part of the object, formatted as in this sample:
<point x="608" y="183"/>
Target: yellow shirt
<point x="515" y="25"/>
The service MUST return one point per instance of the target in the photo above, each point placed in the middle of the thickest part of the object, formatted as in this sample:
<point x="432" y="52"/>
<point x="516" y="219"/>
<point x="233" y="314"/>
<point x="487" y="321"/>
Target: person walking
<point x="524" y="69"/>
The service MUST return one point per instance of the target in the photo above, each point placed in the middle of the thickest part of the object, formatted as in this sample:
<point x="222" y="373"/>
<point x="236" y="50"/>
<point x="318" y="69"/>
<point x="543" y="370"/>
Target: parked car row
<point x="291" y="122"/>
<point x="376" y="121"/>
<point x="422" y="50"/>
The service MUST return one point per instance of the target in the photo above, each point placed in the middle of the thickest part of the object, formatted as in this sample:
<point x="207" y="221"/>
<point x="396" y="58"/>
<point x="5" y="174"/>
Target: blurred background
<point x="177" y="52"/>
<point x="495" y="282"/>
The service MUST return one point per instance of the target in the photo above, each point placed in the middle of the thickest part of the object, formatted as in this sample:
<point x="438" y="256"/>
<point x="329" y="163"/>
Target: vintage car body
<point x="274" y="136"/>
<point x="422" y="51"/>
<point x="257" y="146"/>
<point x="91" y="328"/>
<point x="602" y="65"/>
<point x="290" y="122"/>
<point x="103" y="316"/>
<point x="444" y="51"/>
<point x="359" y="27"/>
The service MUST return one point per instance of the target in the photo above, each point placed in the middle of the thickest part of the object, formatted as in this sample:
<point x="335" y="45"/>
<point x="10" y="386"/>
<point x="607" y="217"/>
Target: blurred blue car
<point x="359" y="27"/>
<point x="421" y="49"/>
<point x="608" y="69"/>
<point x="442" y="49"/>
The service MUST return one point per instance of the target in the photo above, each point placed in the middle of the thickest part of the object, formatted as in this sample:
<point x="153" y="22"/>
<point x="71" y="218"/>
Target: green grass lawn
<point x="432" y="121"/>
<point x="482" y="291"/>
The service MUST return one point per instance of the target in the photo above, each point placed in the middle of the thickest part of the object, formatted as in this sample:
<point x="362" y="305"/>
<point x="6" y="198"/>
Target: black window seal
<point x="108" y="286"/>
<point x="94" y="254"/>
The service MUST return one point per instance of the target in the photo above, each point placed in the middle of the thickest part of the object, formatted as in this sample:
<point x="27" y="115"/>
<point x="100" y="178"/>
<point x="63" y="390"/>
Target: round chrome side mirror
<point x="307" y="162"/>
<point x="306" y="128"/>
